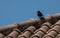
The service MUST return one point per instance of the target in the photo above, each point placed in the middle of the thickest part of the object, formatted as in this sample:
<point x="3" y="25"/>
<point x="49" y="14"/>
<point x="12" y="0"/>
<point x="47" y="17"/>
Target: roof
<point x="48" y="27"/>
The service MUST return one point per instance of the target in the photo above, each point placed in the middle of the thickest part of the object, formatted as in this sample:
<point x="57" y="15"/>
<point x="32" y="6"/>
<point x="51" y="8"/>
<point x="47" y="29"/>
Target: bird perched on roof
<point x="39" y="14"/>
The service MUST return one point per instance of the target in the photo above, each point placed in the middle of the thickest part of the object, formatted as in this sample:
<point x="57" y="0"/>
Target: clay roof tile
<point x="47" y="27"/>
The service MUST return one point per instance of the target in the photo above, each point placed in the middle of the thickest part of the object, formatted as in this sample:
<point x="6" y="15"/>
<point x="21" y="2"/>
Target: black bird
<point x="39" y="14"/>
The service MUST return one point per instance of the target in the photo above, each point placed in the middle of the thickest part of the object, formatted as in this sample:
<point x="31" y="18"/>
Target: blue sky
<point x="20" y="10"/>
